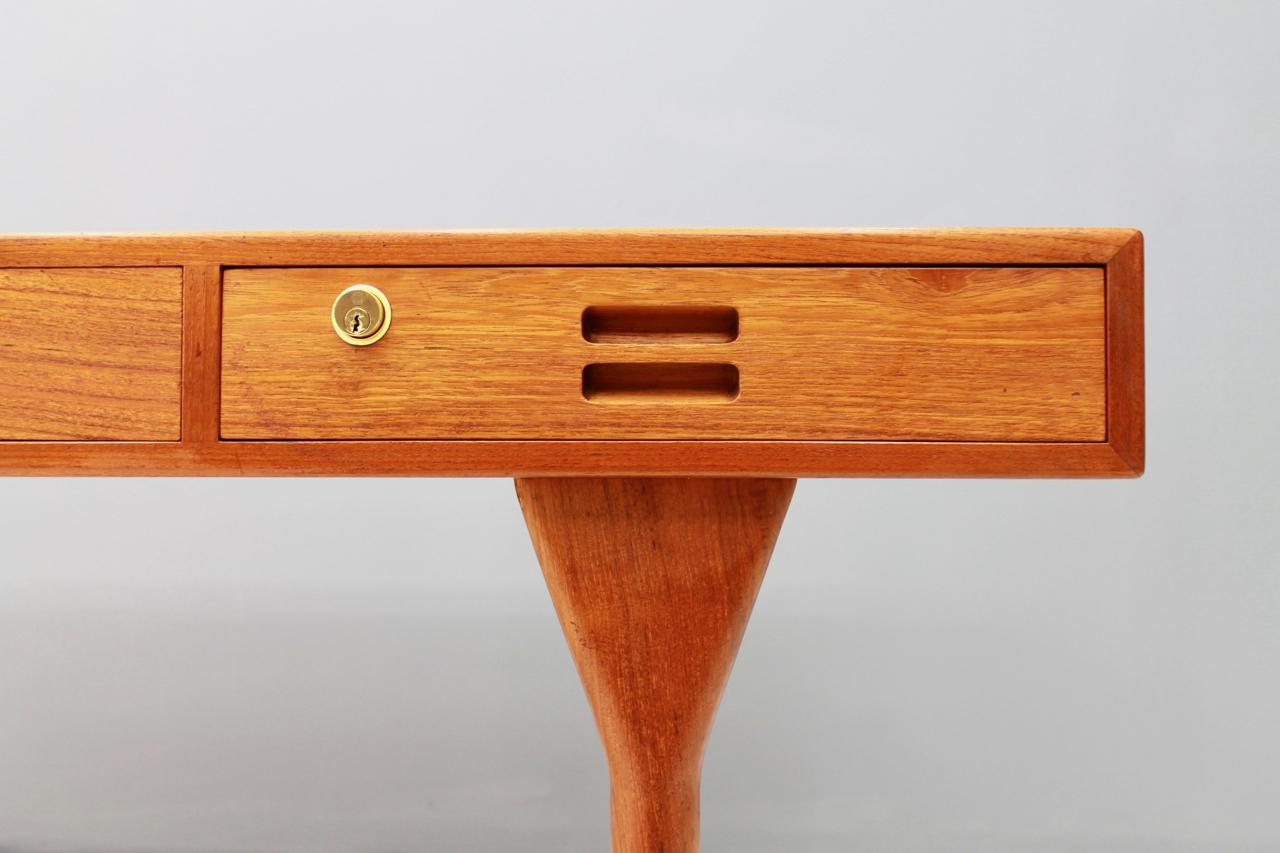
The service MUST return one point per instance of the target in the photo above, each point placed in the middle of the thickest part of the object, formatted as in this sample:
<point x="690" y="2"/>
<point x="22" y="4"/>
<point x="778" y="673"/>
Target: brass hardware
<point x="361" y="315"/>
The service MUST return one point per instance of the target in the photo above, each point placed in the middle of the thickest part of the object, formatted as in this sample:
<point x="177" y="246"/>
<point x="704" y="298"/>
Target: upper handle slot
<point x="660" y="324"/>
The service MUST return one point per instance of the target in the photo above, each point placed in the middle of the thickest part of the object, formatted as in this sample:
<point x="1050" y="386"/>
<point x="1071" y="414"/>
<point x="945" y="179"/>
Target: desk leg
<point x="653" y="581"/>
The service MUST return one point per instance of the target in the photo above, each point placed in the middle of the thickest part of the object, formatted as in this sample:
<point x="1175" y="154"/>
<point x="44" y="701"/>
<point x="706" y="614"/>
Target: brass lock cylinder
<point x="361" y="315"/>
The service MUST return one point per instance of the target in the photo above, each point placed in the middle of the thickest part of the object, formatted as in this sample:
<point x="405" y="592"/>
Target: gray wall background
<point x="932" y="665"/>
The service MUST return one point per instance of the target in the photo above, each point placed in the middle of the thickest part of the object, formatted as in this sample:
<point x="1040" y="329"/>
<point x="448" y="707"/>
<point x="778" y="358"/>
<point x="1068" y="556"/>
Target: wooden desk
<point x="653" y="393"/>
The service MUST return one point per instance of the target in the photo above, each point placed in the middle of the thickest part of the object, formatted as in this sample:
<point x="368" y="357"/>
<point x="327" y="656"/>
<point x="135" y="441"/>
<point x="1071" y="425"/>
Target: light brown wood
<point x="566" y="458"/>
<point x="201" y="352"/>
<point x="653" y="581"/>
<point x="202" y="452"/>
<point x="1126" y="382"/>
<point x="90" y="354"/>
<point x="824" y="353"/>
<point x="856" y="246"/>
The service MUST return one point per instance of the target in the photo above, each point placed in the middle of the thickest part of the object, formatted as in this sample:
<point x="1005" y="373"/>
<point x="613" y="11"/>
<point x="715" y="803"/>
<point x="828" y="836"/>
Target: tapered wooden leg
<point x="653" y="581"/>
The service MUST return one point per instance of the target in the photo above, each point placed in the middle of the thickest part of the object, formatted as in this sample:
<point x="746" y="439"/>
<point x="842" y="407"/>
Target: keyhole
<point x="357" y="322"/>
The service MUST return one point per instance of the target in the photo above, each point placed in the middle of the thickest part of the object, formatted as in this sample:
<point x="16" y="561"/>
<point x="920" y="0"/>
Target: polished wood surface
<point x="824" y="353"/>
<point x="201" y="354"/>
<point x="567" y="458"/>
<point x="653" y="581"/>
<point x="708" y="247"/>
<point x="1126" y="376"/>
<point x="90" y="354"/>
<point x="206" y="257"/>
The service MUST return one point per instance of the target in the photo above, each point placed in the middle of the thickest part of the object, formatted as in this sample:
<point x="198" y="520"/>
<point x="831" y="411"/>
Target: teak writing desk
<point x="653" y="393"/>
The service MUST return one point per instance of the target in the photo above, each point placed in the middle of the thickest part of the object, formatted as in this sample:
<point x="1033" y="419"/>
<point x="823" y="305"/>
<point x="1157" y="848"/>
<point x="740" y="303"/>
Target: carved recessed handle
<point x="660" y="324"/>
<point x="660" y="382"/>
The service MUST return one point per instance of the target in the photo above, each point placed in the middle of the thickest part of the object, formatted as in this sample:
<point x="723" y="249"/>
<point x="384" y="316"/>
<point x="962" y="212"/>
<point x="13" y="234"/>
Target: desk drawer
<point x="780" y="353"/>
<point x="90" y="354"/>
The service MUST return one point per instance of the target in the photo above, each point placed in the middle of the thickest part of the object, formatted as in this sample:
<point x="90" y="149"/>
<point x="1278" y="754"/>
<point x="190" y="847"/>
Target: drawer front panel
<point x="91" y="354"/>
<point x="770" y="353"/>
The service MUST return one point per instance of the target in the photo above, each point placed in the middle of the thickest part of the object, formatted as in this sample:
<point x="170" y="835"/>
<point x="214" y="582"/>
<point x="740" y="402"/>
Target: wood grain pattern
<point x="201" y="352"/>
<point x="824" y="353"/>
<point x="1118" y="251"/>
<point x="90" y="354"/>
<point x="566" y="458"/>
<point x="1126" y="381"/>
<point x="653" y="581"/>
<point x="848" y="247"/>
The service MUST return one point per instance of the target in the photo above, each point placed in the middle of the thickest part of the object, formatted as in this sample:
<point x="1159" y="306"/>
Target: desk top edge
<point x="854" y="246"/>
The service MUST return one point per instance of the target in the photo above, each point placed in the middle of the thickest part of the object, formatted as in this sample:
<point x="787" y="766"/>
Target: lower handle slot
<point x="660" y="382"/>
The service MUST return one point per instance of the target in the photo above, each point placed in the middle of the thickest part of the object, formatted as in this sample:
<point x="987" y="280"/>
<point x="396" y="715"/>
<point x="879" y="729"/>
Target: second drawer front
<point x="984" y="354"/>
<point x="91" y="354"/>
